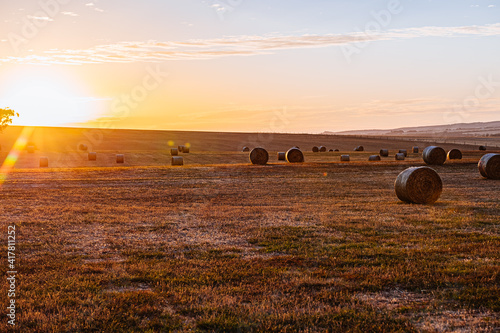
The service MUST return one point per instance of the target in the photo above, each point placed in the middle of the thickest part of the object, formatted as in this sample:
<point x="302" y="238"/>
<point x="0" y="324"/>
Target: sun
<point x="45" y="98"/>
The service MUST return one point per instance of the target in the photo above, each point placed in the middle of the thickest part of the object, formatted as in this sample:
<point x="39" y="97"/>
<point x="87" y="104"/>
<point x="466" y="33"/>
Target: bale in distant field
<point x="345" y="158"/>
<point x="420" y="185"/>
<point x="44" y="162"/>
<point x="92" y="156"/>
<point x="415" y="150"/>
<point x="31" y="149"/>
<point x="120" y="158"/>
<point x="374" y="158"/>
<point x="185" y="149"/>
<point x="281" y="156"/>
<point x="180" y="148"/>
<point x="434" y="155"/>
<point x="259" y="156"/>
<point x="384" y="152"/>
<point x="489" y="166"/>
<point x="359" y="148"/>
<point x="330" y="150"/>
<point x="174" y="151"/>
<point x="400" y="157"/>
<point x="336" y="150"/>
<point x="403" y="151"/>
<point x="454" y="154"/>
<point x="322" y="149"/>
<point x="177" y="160"/>
<point x="82" y="147"/>
<point x="482" y="147"/>
<point x="245" y="149"/>
<point x="294" y="155"/>
<point x="315" y="149"/>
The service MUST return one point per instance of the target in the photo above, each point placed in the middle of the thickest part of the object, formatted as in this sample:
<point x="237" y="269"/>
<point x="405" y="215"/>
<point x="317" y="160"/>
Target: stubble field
<point x="274" y="248"/>
<point x="320" y="246"/>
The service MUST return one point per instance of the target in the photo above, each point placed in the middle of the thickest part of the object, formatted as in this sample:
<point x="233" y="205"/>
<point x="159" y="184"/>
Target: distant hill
<point x="454" y="130"/>
<point x="148" y="148"/>
<point x="65" y="139"/>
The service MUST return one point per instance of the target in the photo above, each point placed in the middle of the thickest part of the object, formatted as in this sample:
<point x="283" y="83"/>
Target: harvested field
<point x="222" y="245"/>
<point x="216" y="248"/>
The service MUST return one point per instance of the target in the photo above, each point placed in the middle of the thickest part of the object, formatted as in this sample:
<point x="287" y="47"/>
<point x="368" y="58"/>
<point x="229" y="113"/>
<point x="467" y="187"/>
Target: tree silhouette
<point x="6" y="117"/>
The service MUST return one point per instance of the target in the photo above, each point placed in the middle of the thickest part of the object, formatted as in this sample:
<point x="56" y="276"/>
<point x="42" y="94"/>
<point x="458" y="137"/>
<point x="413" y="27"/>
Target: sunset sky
<point x="250" y="65"/>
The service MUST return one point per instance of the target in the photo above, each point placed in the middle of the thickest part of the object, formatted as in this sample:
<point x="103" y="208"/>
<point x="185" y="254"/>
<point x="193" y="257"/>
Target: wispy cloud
<point x="40" y="18"/>
<point x="69" y="14"/>
<point x="94" y="7"/>
<point x="154" y="51"/>
<point x="415" y="107"/>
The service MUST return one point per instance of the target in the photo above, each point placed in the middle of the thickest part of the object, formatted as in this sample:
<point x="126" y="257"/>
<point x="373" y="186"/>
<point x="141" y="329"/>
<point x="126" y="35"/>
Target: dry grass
<point x="233" y="248"/>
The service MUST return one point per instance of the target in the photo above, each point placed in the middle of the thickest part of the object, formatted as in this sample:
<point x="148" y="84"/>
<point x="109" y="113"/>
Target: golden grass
<point x="307" y="247"/>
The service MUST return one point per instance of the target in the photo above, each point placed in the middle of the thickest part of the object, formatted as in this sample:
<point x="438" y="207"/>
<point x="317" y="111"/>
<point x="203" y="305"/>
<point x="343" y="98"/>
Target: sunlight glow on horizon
<point x="334" y="65"/>
<point x="46" y="98"/>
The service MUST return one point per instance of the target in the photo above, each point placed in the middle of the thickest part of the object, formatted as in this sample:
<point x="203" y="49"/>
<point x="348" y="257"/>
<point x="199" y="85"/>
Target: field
<point x="221" y="245"/>
<point x="152" y="148"/>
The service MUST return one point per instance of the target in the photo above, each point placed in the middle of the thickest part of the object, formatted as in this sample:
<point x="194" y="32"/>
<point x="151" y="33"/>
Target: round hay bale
<point x="281" y="156"/>
<point x="315" y="149"/>
<point x="400" y="157"/>
<point x="489" y="166"/>
<point x="415" y="149"/>
<point x="83" y="147"/>
<point x="384" y="152"/>
<point x="322" y="149"/>
<point x="294" y="155"/>
<point x="359" y="148"/>
<point x="482" y="148"/>
<point x="374" y="158"/>
<point x="420" y="185"/>
<point x="403" y="151"/>
<point x="245" y="149"/>
<point x="259" y="156"/>
<point x="177" y="160"/>
<point x="120" y="158"/>
<point x="30" y="149"/>
<point x="434" y="155"/>
<point x="92" y="156"/>
<point x="185" y="149"/>
<point x="336" y="150"/>
<point x="454" y="154"/>
<point x="180" y="148"/>
<point x="44" y="162"/>
<point x="174" y="151"/>
<point x="345" y="158"/>
<point x="330" y="150"/>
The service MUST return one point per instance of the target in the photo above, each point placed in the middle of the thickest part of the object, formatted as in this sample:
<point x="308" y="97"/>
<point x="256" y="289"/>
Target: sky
<point x="250" y="65"/>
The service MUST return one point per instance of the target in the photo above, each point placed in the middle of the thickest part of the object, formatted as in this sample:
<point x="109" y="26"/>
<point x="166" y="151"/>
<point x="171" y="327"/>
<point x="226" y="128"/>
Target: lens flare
<point x="11" y="159"/>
